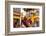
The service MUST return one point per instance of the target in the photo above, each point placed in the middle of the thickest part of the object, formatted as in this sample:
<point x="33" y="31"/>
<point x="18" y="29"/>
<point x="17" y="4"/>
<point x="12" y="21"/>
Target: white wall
<point x="2" y="18"/>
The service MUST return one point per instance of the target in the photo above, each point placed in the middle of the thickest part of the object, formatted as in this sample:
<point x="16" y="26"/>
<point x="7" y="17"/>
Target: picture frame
<point x="15" y="6"/>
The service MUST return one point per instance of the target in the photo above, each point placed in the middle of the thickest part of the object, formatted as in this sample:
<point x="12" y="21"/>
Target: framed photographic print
<point x="24" y="17"/>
